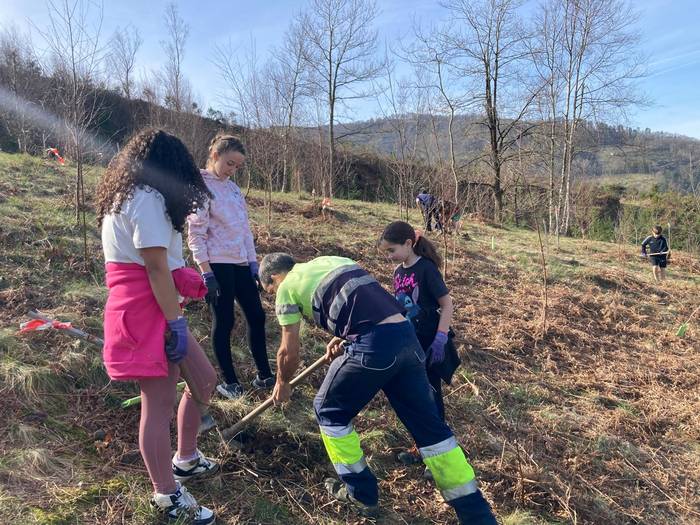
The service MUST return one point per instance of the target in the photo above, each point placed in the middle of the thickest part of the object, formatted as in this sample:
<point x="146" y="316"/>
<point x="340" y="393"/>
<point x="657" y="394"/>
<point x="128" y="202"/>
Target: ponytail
<point x="223" y="143"/>
<point x="427" y="249"/>
<point x="399" y="232"/>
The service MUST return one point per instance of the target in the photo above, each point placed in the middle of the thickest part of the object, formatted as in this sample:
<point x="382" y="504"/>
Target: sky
<point x="670" y="38"/>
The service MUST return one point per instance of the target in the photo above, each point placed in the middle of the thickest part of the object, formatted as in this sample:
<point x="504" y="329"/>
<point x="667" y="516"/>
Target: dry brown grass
<point x="595" y="422"/>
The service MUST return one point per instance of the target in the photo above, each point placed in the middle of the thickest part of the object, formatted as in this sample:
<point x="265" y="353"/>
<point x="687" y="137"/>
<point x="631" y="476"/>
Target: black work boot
<point x="339" y="491"/>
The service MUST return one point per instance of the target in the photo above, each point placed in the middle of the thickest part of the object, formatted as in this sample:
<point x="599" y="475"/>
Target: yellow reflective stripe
<point x="344" y="450"/>
<point x="450" y="469"/>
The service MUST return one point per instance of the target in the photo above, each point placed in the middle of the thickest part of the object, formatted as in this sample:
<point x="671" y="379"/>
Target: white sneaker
<point x="181" y="505"/>
<point x="198" y="467"/>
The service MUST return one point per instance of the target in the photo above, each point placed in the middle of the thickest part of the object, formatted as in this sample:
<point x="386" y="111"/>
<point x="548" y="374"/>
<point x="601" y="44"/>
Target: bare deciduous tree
<point x="591" y="46"/>
<point x="287" y="76"/>
<point x="257" y="107"/>
<point x="440" y="79"/>
<point x="546" y="62"/>
<point x="21" y="75"/>
<point x="177" y="90"/>
<point x="487" y="43"/>
<point x="122" y="57"/>
<point x="340" y="57"/>
<point x="403" y="104"/>
<point x="76" y="54"/>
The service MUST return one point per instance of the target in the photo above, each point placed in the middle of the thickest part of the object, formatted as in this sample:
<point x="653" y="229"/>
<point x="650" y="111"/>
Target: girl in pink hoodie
<point x="146" y="193"/>
<point x="222" y="245"/>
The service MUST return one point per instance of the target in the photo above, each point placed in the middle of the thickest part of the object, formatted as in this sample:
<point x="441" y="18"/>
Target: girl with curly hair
<point x="144" y="197"/>
<point x="222" y="245"/>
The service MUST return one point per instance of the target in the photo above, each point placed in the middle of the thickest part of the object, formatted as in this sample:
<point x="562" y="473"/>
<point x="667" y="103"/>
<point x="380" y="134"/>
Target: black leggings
<point x="236" y="283"/>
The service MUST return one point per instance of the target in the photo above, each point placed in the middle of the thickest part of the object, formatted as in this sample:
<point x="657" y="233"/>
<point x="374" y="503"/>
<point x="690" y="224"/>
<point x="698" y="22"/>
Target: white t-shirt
<point x="142" y="223"/>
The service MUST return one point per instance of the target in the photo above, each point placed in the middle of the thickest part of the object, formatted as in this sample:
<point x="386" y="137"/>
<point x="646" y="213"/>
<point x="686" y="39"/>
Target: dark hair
<point x="657" y="230"/>
<point x="223" y="143"/>
<point x="160" y="160"/>
<point x="399" y="232"/>
<point x="274" y="264"/>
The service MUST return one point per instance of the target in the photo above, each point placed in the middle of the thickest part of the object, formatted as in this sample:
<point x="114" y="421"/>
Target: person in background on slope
<point x="373" y="348"/>
<point x="145" y="194"/>
<point x="421" y="290"/>
<point x="221" y="241"/>
<point x="428" y="205"/>
<point x="658" y="253"/>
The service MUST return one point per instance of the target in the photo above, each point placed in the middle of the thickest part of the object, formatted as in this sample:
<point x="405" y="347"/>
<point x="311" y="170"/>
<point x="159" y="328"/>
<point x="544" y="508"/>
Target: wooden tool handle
<point x="235" y="429"/>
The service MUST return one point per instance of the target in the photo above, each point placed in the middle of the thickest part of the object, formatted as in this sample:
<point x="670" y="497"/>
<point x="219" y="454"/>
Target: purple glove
<point x="176" y="343"/>
<point x="213" y="289"/>
<point x="437" y="349"/>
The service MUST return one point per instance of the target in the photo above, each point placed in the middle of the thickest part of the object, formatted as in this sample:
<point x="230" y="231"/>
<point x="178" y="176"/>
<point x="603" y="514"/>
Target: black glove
<point x="213" y="290"/>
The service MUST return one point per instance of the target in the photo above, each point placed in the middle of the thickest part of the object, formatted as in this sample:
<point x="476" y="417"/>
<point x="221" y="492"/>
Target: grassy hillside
<point x="596" y="421"/>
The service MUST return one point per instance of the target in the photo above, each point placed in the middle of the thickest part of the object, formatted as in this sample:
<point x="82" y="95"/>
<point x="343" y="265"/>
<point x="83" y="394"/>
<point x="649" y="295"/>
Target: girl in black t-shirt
<point x="420" y="289"/>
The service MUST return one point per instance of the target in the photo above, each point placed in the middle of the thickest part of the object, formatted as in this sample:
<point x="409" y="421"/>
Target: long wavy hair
<point x="160" y="160"/>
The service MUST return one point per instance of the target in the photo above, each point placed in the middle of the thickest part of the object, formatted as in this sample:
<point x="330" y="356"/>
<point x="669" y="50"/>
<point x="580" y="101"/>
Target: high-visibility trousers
<point x="390" y="358"/>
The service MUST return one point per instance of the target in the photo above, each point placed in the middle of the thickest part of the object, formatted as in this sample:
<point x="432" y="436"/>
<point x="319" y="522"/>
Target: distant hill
<point x="612" y="154"/>
<point x="639" y="159"/>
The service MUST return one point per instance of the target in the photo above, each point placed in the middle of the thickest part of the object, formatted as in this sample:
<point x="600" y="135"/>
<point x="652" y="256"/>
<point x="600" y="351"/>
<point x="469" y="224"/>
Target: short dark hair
<point x="657" y="229"/>
<point x="275" y="264"/>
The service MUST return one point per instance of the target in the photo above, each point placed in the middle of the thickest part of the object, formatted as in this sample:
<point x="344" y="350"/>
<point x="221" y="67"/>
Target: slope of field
<point x="595" y="420"/>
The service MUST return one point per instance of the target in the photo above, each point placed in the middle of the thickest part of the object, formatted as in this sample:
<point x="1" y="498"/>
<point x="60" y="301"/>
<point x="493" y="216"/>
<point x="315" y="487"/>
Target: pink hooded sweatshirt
<point x="134" y="324"/>
<point x="220" y="232"/>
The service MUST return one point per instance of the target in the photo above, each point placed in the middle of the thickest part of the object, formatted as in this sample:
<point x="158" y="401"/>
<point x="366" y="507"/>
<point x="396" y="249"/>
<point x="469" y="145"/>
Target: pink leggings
<point x="158" y="396"/>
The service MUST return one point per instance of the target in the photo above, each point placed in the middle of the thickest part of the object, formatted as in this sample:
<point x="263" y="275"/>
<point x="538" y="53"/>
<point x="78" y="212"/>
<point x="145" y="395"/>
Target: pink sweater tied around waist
<point x="134" y="325"/>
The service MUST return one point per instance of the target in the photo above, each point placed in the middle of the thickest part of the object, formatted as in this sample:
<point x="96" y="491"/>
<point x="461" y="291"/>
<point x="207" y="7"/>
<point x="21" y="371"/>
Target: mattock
<point x="233" y="431"/>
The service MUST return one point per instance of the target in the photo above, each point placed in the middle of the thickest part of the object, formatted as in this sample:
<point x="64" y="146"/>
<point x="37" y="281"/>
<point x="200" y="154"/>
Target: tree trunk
<point x="331" y="152"/>
<point x="552" y="147"/>
<point x="497" y="195"/>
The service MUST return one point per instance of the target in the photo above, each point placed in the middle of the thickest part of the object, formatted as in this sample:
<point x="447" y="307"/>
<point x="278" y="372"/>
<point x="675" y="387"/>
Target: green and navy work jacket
<point x="336" y="294"/>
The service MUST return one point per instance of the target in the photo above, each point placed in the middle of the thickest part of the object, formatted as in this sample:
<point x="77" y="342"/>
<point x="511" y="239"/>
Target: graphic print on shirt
<point x="407" y="291"/>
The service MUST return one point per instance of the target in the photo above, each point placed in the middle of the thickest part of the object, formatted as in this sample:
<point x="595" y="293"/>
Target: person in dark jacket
<point x="429" y="206"/>
<point x="658" y="252"/>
